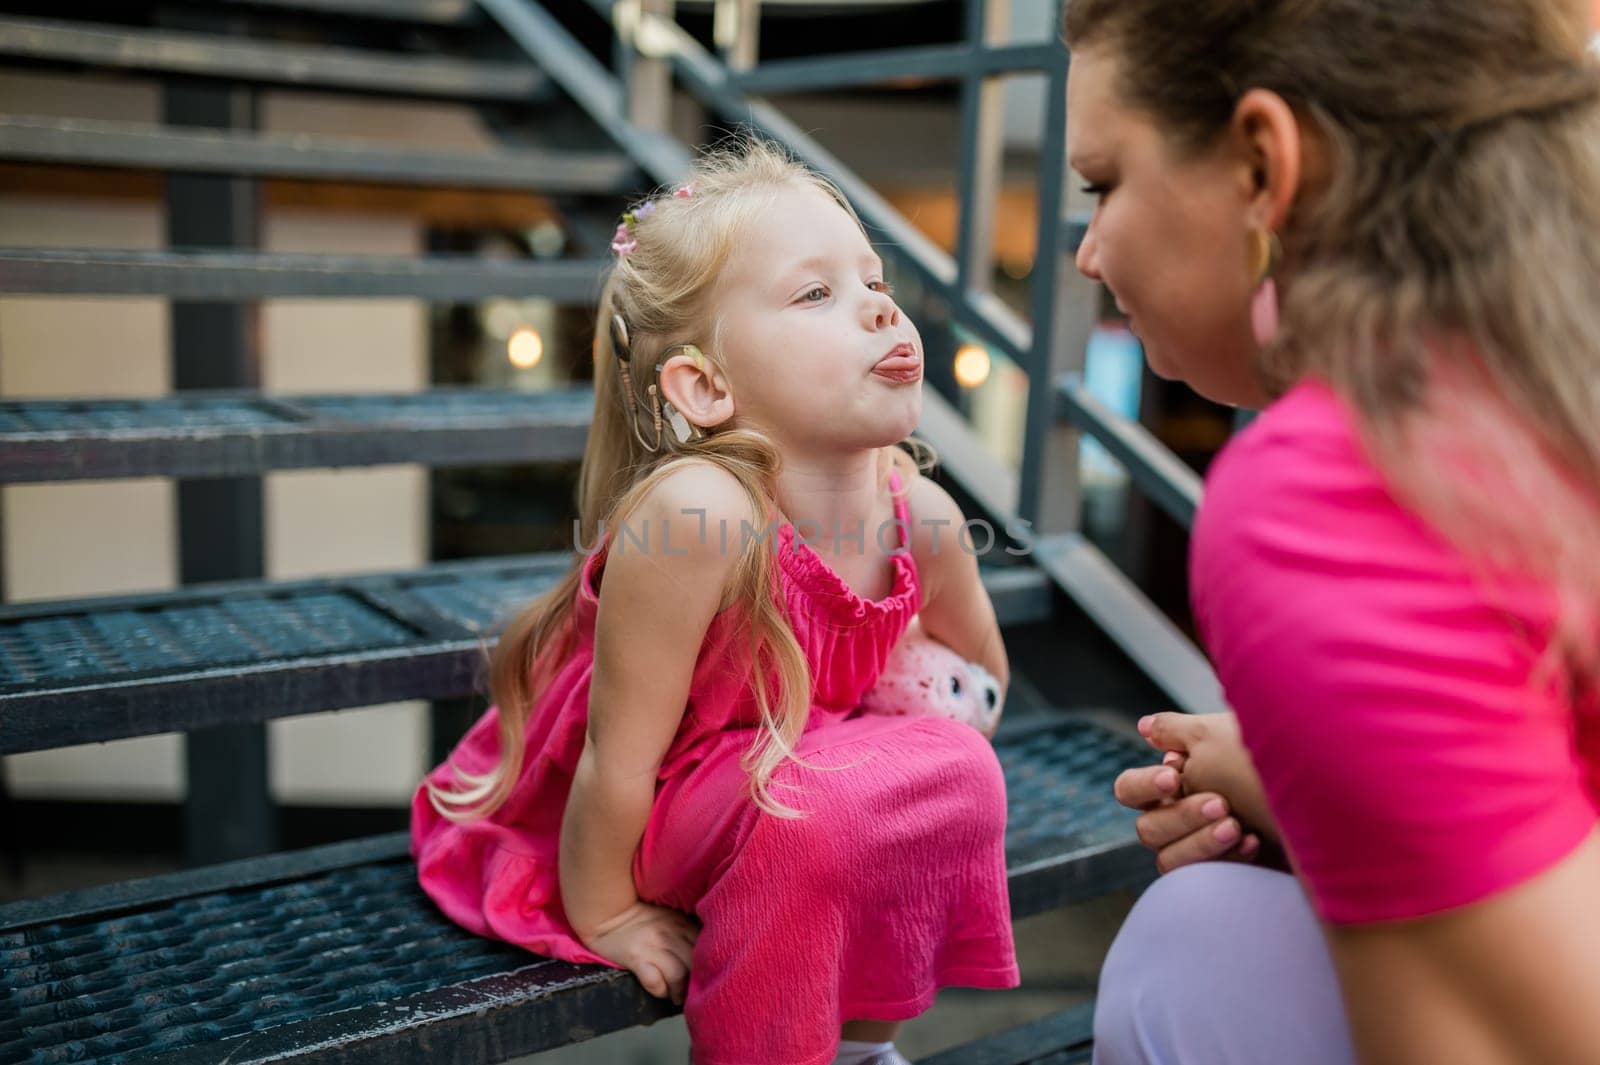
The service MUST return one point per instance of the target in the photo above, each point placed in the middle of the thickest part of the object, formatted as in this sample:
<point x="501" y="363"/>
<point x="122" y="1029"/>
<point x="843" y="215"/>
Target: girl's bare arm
<point x="956" y="609"/>
<point x="656" y="603"/>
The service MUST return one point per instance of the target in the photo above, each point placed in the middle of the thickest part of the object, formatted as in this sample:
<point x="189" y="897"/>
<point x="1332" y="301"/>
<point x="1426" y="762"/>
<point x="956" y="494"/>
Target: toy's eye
<point x="955" y="685"/>
<point x="990" y="696"/>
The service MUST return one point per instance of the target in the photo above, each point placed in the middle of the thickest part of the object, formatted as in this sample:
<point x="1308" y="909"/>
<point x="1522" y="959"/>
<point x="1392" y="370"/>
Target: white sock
<point x="853" y="1052"/>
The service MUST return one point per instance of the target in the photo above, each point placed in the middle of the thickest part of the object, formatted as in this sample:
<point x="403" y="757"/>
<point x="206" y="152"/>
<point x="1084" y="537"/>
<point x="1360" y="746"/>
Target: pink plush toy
<point x="923" y="676"/>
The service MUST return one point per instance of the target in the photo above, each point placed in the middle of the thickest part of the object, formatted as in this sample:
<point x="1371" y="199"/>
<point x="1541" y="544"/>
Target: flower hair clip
<point x="624" y="241"/>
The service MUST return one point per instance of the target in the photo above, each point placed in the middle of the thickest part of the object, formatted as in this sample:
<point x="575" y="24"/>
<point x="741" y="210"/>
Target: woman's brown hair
<point x="1445" y="278"/>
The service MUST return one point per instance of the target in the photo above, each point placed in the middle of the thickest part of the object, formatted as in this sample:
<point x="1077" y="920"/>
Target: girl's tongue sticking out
<point x="901" y="364"/>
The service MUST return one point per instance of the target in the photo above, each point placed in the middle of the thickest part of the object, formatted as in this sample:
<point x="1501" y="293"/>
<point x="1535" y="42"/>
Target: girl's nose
<point x="883" y="311"/>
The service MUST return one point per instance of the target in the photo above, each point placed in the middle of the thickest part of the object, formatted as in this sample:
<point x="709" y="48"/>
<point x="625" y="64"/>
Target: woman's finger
<point x="1172" y="731"/>
<point x="1249" y="848"/>
<point x="1146" y="787"/>
<point x="1214" y="841"/>
<point x="1160" y="828"/>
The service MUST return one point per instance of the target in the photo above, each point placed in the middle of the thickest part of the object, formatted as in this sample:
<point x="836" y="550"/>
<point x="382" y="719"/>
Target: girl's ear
<point x="693" y="384"/>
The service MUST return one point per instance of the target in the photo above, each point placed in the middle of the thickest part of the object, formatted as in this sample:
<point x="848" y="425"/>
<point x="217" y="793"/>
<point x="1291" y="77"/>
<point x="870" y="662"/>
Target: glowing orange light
<point x="972" y="366"/>
<point x="525" y="348"/>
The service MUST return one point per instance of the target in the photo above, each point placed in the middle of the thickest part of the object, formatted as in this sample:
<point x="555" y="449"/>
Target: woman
<point x="1379" y="221"/>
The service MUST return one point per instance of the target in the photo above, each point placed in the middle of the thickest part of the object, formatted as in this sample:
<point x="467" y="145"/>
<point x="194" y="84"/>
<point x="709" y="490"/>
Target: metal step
<point x="322" y="67"/>
<point x="91" y="670"/>
<point x="82" y="142"/>
<point x="335" y="955"/>
<point x="442" y="11"/>
<point x="1065" y="1038"/>
<point x="236" y="276"/>
<point x="240" y="433"/>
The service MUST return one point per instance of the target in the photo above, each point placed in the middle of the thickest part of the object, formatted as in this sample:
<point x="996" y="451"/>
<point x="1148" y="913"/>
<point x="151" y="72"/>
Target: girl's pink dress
<point x="892" y="886"/>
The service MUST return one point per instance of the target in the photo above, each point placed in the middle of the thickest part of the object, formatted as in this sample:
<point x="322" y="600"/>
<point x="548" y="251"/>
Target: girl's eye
<point x="1097" y="191"/>
<point x="882" y="286"/>
<point x="815" y="295"/>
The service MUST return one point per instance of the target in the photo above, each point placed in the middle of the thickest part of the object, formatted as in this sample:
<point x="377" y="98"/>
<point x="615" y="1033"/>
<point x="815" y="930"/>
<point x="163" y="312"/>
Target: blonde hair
<point x="664" y="289"/>
<point x="1446" y="280"/>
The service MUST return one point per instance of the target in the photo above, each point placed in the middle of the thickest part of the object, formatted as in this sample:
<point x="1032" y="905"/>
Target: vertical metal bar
<point x="649" y="84"/>
<point x="228" y="812"/>
<point x="449" y="720"/>
<point x="624" y="17"/>
<point x="10" y="838"/>
<point x="736" y="30"/>
<point x="982" y="144"/>
<point x="1063" y="312"/>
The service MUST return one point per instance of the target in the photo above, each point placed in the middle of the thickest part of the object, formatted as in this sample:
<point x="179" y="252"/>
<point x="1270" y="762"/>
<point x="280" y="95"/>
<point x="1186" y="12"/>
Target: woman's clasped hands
<point x="1204" y="800"/>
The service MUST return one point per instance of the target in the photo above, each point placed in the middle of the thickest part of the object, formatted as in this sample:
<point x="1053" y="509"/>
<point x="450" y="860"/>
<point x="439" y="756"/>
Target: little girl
<point x="676" y="728"/>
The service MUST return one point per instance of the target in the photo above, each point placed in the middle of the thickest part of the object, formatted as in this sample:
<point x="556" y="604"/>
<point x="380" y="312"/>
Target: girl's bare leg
<point x="870" y="1031"/>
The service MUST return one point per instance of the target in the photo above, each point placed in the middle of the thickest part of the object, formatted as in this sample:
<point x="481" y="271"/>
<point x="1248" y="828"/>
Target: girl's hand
<point x="652" y="942"/>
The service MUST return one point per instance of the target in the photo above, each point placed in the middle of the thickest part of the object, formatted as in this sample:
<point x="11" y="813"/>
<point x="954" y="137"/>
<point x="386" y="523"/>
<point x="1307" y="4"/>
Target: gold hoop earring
<point x="1268" y="254"/>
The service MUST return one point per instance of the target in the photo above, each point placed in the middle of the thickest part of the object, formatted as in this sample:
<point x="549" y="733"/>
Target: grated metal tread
<point x="81" y="671"/>
<point x="233" y="276"/>
<point x="224" y="434"/>
<point x="336" y="955"/>
<point x="324" y="67"/>
<point x="92" y="670"/>
<point x="443" y="11"/>
<point x="1064" y="1038"/>
<point x="90" y="142"/>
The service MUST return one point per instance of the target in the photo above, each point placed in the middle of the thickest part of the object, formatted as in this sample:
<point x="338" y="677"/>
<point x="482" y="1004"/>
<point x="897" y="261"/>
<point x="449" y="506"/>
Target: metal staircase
<point x="333" y="954"/>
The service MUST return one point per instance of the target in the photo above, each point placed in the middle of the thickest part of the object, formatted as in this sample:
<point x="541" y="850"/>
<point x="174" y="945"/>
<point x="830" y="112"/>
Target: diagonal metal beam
<point x="1145" y="635"/>
<point x="591" y="86"/>
<point x="936" y="63"/>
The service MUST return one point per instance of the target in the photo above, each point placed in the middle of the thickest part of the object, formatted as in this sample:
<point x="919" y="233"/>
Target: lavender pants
<point x="1220" y="964"/>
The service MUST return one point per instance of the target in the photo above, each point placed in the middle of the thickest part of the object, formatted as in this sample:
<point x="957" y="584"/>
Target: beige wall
<point x="317" y="522"/>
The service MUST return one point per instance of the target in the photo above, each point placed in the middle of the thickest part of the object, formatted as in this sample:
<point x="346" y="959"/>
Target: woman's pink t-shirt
<point x="1387" y="695"/>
